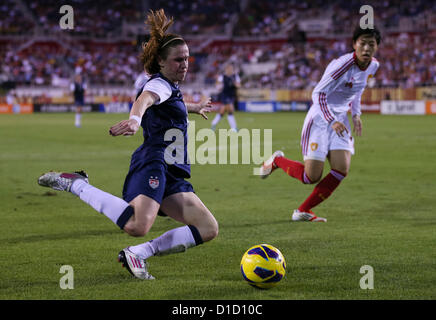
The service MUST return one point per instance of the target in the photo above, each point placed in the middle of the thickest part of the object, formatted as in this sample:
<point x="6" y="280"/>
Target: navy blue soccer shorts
<point x="79" y="101"/>
<point x="155" y="181"/>
<point x="227" y="100"/>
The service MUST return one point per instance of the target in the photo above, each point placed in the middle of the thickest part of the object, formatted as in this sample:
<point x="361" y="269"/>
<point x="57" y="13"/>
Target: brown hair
<point x="159" y="44"/>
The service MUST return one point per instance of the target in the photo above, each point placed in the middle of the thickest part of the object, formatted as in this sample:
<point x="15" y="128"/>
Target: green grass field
<point x="382" y="215"/>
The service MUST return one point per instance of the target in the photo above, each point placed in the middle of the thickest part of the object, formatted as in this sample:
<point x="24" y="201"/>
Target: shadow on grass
<point x="58" y="236"/>
<point x="251" y="224"/>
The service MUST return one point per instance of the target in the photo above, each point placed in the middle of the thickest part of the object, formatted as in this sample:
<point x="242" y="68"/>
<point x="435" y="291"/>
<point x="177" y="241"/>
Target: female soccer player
<point x="154" y="182"/>
<point x="230" y="82"/>
<point x="326" y="131"/>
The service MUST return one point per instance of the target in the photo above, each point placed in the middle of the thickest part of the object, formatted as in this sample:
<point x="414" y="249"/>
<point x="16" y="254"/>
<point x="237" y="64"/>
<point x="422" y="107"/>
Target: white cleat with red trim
<point x="306" y="216"/>
<point x="268" y="165"/>
<point x="134" y="264"/>
<point x="61" y="181"/>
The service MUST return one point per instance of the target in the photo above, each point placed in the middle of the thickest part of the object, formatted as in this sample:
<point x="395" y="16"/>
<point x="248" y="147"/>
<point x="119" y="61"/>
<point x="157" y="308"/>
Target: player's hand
<point x="339" y="128"/>
<point x="205" y="106"/>
<point x="357" y="125"/>
<point x="125" y="128"/>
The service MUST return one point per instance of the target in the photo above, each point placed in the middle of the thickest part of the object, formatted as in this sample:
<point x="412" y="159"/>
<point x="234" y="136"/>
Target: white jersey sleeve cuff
<point x="160" y="87"/>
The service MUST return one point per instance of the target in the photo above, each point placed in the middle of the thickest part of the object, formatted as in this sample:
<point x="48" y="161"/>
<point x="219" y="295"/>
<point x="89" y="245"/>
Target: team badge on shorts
<point x="153" y="182"/>
<point x="314" y="146"/>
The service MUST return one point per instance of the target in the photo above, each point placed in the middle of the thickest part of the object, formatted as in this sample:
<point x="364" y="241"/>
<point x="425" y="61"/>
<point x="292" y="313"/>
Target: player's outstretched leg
<point x="116" y="209"/>
<point x="134" y="264"/>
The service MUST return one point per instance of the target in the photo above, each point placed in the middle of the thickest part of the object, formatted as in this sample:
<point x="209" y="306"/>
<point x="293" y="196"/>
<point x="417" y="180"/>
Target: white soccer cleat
<point x="61" y="181"/>
<point x="268" y="166"/>
<point x="306" y="216"/>
<point x="134" y="264"/>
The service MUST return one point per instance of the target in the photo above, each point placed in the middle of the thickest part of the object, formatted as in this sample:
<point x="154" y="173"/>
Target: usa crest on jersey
<point x="153" y="182"/>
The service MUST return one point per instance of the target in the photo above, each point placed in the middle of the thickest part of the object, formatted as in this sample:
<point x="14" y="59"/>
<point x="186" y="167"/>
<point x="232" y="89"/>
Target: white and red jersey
<point x="342" y="85"/>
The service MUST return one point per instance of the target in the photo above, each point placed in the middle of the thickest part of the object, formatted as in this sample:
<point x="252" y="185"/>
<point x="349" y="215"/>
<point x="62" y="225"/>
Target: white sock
<point x="231" y="120"/>
<point x="173" y="241"/>
<point x="78" y="119"/>
<point x="216" y="119"/>
<point x="111" y="206"/>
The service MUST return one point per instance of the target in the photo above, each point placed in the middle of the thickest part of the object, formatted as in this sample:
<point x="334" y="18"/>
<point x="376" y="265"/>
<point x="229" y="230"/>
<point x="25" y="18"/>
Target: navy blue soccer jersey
<point x="229" y="87"/>
<point x="165" y="130"/>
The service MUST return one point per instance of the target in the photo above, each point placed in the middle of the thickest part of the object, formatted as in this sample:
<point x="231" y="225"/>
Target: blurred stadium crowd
<point x="275" y="44"/>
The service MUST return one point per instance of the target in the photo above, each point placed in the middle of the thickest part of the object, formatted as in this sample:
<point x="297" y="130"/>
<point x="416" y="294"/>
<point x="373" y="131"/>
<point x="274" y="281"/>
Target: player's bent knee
<point x="213" y="231"/>
<point x="131" y="230"/>
<point x="343" y="170"/>
<point x="314" y="177"/>
<point x="137" y="228"/>
<point x="313" y="170"/>
<point x="209" y="231"/>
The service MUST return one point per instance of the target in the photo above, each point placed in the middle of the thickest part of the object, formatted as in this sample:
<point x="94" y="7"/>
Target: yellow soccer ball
<point x="263" y="266"/>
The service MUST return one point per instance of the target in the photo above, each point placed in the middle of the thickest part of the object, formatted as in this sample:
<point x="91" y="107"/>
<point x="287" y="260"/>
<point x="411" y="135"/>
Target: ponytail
<point x="160" y="42"/>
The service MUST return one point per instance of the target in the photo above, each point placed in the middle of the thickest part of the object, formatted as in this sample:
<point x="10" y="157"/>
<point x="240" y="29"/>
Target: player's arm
<point x="155" y="92"/>
<point x="201" y="108"/>
<point x="328" y="84"/>
<point x="237" y="82"/>
<point x="129" y="127"/>
<point x="320" y="95"/>
<point x="355" y="114"/>
<point x="356" y="110"/>
<point x="219" y="83"/>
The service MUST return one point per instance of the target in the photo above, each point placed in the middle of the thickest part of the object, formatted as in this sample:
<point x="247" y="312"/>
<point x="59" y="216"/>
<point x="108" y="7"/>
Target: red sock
<point x="292" y="168"/>
<point x="322" y="190"/>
